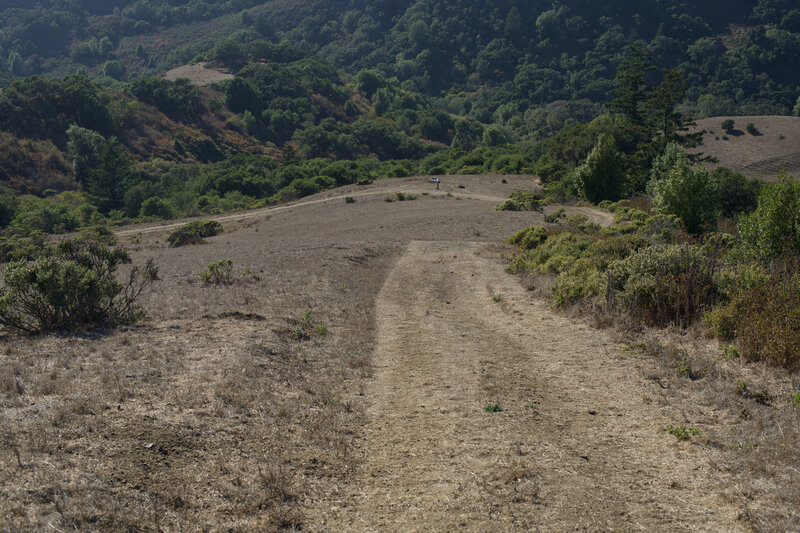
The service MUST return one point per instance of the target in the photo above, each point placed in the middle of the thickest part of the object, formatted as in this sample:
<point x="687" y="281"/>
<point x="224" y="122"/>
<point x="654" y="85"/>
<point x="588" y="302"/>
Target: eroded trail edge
<point x="580" y="442"/>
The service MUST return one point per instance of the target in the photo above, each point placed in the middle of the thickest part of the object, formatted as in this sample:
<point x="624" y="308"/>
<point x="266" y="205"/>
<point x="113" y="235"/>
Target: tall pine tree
<point x="111" y="178"/>
<point x="632" y="88"/>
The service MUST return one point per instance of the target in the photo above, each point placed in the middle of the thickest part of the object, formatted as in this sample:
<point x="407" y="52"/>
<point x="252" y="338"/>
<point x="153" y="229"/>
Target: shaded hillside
<point x="508" y="56"/>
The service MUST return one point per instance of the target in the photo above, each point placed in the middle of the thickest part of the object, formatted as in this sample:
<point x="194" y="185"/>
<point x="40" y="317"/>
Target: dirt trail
<point x="416" y="185"/>
<point x="580" y="443"/>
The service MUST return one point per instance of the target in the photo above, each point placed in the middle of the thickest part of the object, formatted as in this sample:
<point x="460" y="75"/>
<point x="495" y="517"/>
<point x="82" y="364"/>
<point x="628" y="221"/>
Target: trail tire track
<point x="581" y="443"/>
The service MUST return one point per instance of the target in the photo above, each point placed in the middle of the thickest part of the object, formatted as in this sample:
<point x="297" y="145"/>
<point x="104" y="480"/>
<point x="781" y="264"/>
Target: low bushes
<point x="577" y="255"/>
<point x="73" y="286"/>
<point x="626" y="264"/>
<point x="763" y="314"/>
<point x="648" y="269"/>
<point x="218" y="272"/>
<point x="194" y="232"/>
<point x="528" y="238"/>
<point x="664" y="284"/>
<point x="523" y="201"/>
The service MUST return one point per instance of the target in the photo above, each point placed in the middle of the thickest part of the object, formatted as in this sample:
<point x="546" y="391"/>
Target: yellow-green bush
<point x="769" y="328"/>
<point x="523" y="201"/>
<point x="664" y="284"/>
<point x="668" y="283"/>
<point x="581" y="280"/>
<point x="194" y="232"/>
<point x="528" y="238"/>
<point x="762" y="314"/>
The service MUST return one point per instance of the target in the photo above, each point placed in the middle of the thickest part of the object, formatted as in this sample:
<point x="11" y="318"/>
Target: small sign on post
<point x="436" y="181"/>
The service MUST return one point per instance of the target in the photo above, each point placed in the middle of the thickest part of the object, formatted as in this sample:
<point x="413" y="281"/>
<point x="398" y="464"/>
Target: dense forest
<point x="738" y="55"/>
<point x="327" y="93"/>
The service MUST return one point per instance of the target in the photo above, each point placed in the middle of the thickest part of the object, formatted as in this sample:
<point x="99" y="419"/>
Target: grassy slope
<point x="774" y="148"/>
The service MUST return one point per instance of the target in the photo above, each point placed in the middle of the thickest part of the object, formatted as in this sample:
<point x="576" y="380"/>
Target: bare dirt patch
<point x="776" y="146"/>
<point x="201" y="74"/>
<point x="577" y="441"/>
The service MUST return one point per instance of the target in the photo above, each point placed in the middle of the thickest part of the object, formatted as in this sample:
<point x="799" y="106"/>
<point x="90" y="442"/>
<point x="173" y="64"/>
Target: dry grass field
<point x="200" y="74"/>
<point x="344" y="378"/>
<point x="773" y="148"/>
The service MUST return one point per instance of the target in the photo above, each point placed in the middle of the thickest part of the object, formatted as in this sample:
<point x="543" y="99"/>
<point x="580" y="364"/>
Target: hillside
<point x="738" y="55"/>
<point x="317" y="391"/>
<point x="773" y="148"/>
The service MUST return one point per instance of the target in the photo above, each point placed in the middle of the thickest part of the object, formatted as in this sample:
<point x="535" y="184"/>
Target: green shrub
<point x="737" y="194"/>
<point x="523" y="201"/>
<point x="19" y="248"/>
<point x="664" y="284"/>
<point x="764" y="318"/>
<point x="663" y="229"/>
<point x="194" y="232"/>
<point x="45" y="216"/>
<point x="156" y="207"/>
<point x="493" y="408"/>
<point x="403" y="196"/>
<point x="553" y="217"/>
<point x="218" y="272"/>
<point x="602" y="176"/>
<point x="528" y="238"/>
<point x="580" y="281"/>
<point x="630" y="214"/>
<point x="728" y="125"/>
<point x="773" y="229"/>
<point x="751" y="128"/>
<point x="678" y="189"/>
<point x="73" y="287"/>
<point x="581" y="253"/>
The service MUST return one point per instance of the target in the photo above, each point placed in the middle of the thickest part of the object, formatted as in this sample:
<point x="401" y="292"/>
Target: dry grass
<point x="776" y="147"/>
<point x="744" y="409"/>
<point x="211" y="415"/>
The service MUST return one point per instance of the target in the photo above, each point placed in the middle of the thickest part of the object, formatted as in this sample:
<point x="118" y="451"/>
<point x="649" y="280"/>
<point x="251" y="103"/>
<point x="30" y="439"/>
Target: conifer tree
<point x="111" y="178"/>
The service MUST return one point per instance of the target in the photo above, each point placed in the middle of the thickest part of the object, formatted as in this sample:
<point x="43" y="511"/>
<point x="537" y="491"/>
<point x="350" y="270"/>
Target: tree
<point x="241" y="95"/>
<point x="418" y="34"/>
<point x="369" y="81"/>
<point x="228" y="53"/>
<point x="179" y="99"/>
<point x="668" y="124"/>
<point x="602" y="175"/>
<point x="737" y="194"/>
<point x="110" y="180"/>
<point x="263" y="25"/>
<point x="85" y="147"/>
<point x="690" y="194"/>
<point x="773" y="229"/>
<point x="468" y="135"/>
<point x="495" y="136"/>
<point x="514" y="27"/>
<point x="632" y="88"/>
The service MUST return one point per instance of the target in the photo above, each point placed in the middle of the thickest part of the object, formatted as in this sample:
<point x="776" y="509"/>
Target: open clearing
<point x="774" y="148"/>
<point x="234" y="407"/>
<point x="199" y="74"/>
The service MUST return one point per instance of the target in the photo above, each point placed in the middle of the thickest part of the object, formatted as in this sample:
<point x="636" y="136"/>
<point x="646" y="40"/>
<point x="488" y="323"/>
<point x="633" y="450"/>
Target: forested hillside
<point x="739" y="55"/>
<point x="325" y="94"/>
